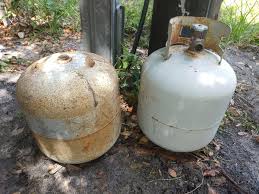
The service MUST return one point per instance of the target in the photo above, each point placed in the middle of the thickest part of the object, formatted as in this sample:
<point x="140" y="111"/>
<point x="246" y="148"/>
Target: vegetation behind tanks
<point x="47" y="16"/>
<point x="50" y="16"/>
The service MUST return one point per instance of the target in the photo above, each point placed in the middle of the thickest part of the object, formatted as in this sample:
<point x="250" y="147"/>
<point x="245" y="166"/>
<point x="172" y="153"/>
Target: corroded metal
<point x="198" y="36"/>
<point x="71" y="103"/>
<point x="216" y="31"/>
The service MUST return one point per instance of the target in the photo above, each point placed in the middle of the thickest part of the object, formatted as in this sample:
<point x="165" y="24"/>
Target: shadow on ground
<point x="130" y="166"/>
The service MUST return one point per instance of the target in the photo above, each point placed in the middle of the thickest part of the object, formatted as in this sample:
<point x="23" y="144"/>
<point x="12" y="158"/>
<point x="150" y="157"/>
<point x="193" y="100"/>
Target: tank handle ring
<point x="177" y="35"/>
<point x="64" y="58"/>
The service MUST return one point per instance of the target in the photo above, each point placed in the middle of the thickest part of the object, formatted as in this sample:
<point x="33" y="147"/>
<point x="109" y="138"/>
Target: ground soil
<point x="230" y="164"/>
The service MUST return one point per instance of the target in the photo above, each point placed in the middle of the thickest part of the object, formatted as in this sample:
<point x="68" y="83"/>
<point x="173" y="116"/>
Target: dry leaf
<point x="52" y="169"/>
<point x="17" y="131"/>
<point x="217" y="146"/>
<point x="144" y="151"/>
<point x="240" y="63"/>
<point x="241" y="133"/>
<point x="211" y="190"/>
<point x="218" y="181"/>
<point x="234" y="112"/>
<point x="17" y="193"/>
<point x="167" y="155"/>
<point x="210" y="172"/>
<point x="143" y="140"/>
<point x="257" y="138"/>
<point x="21" y="35"/>
<point x="172" y="172"/>
<point x="126" y="134"/>
<point x="72" y="168"/>
<point x="211" y="153"/>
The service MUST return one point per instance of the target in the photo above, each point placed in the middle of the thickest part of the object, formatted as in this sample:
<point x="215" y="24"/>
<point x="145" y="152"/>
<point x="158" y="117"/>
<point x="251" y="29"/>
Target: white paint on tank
<point x="183" y="99"/>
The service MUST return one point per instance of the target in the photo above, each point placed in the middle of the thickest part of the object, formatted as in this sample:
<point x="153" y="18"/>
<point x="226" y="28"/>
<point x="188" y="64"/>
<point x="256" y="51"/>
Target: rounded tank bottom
<point x="83" y="149"/>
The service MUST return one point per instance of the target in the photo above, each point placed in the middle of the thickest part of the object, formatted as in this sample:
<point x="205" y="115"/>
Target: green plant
<point x="129" y="77"/>
<point x="132" y="17"/>
<point x="48" y="15"/>
<point x="243" y="17"/>
<point x="248" y="123"/>
<point x="3" y="65"/>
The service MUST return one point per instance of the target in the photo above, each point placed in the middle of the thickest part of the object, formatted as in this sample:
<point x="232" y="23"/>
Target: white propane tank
<point x="186" y="87"/>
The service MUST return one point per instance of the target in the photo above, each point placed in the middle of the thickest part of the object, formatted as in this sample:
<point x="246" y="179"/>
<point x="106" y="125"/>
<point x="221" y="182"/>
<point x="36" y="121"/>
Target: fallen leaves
<point x="17" y="131"/>
<point x="218" y="181"/>
<point x="126" y="133"/>
<point x="172" y="172"/>
<point x="211" y="172"/>
<point x="140" y="151"/>
<point x="234" y="112"/>
<point x="211" y="153"/>
<point x="217" y="145"/>
<point x="257" y="138"/>
<point x="211" y="190"/>
<point x="143" y="140"/>
<point x="21" y="35"/>
<point x="242" y="133"/>
<point x="53" y="169"/>
<point x="72" y="168"/>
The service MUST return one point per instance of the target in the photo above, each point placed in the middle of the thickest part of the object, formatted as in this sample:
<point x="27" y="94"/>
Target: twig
<point x="198" y="185"/>
<point x="237" y="187"/>
<point x="164" y="179"/>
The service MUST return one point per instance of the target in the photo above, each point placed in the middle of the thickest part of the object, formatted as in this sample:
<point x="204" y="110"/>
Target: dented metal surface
<point x="216" y="31"/>
<point x="71" y="101"/>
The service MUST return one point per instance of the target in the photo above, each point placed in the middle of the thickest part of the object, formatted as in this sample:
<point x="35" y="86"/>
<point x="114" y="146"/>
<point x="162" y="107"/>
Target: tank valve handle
<point x="198" y="36"/>
<point x="196" y="32"/>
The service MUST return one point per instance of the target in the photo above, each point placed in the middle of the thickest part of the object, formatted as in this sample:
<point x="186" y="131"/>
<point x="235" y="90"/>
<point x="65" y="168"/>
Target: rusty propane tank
<point x="71" y="103"/>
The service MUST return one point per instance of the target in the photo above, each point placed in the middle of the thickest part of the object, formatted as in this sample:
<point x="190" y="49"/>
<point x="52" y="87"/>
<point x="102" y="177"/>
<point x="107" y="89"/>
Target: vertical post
<point x="164" y="10"/>
<point x="102" y="23"/>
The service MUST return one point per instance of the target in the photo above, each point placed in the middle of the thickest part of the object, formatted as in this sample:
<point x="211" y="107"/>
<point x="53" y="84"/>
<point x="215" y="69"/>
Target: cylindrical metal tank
<point x="72" y="106"/>
<point x="186" y="87"/>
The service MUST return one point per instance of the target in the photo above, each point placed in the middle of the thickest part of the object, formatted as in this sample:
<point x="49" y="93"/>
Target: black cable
<point x="140" y="26"/>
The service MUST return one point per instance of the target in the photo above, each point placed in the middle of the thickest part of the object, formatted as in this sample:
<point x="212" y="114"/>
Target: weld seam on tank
<point x="72" y="139"/>
<point x="188" y="130"/>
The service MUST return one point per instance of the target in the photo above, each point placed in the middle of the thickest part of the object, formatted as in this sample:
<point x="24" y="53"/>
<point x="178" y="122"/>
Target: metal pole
<point x="140" y="26"/>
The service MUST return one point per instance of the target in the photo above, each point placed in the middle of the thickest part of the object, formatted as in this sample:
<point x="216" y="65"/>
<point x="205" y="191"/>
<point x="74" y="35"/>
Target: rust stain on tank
<point x="82" y="149"/>
<point x="77" y="97"/>
<point x="216" y="31"/>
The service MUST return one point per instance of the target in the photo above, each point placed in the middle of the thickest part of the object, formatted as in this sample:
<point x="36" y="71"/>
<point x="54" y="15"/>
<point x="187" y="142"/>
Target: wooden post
<point x="164" y="10"/>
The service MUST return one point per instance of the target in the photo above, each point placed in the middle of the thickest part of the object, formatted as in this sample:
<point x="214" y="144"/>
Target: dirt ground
<point x="230" y="164"/>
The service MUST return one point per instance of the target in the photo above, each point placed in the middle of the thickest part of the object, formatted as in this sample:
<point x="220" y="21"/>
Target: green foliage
<point x="242" y="17"/>
<point x="132" y="17"/>
<point x="48" y="15"/>
<point x="128" y="68"/>
<point x="3" y="65"/>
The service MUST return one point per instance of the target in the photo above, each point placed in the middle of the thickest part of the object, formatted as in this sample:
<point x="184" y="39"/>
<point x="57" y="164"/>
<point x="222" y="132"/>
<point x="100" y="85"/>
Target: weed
<point x="48" y="15"/>
<point x="243" y="18"/>
<point x="3" y="65"/>
<point x="129" y="77"/>
<point x="248" y="123"/>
